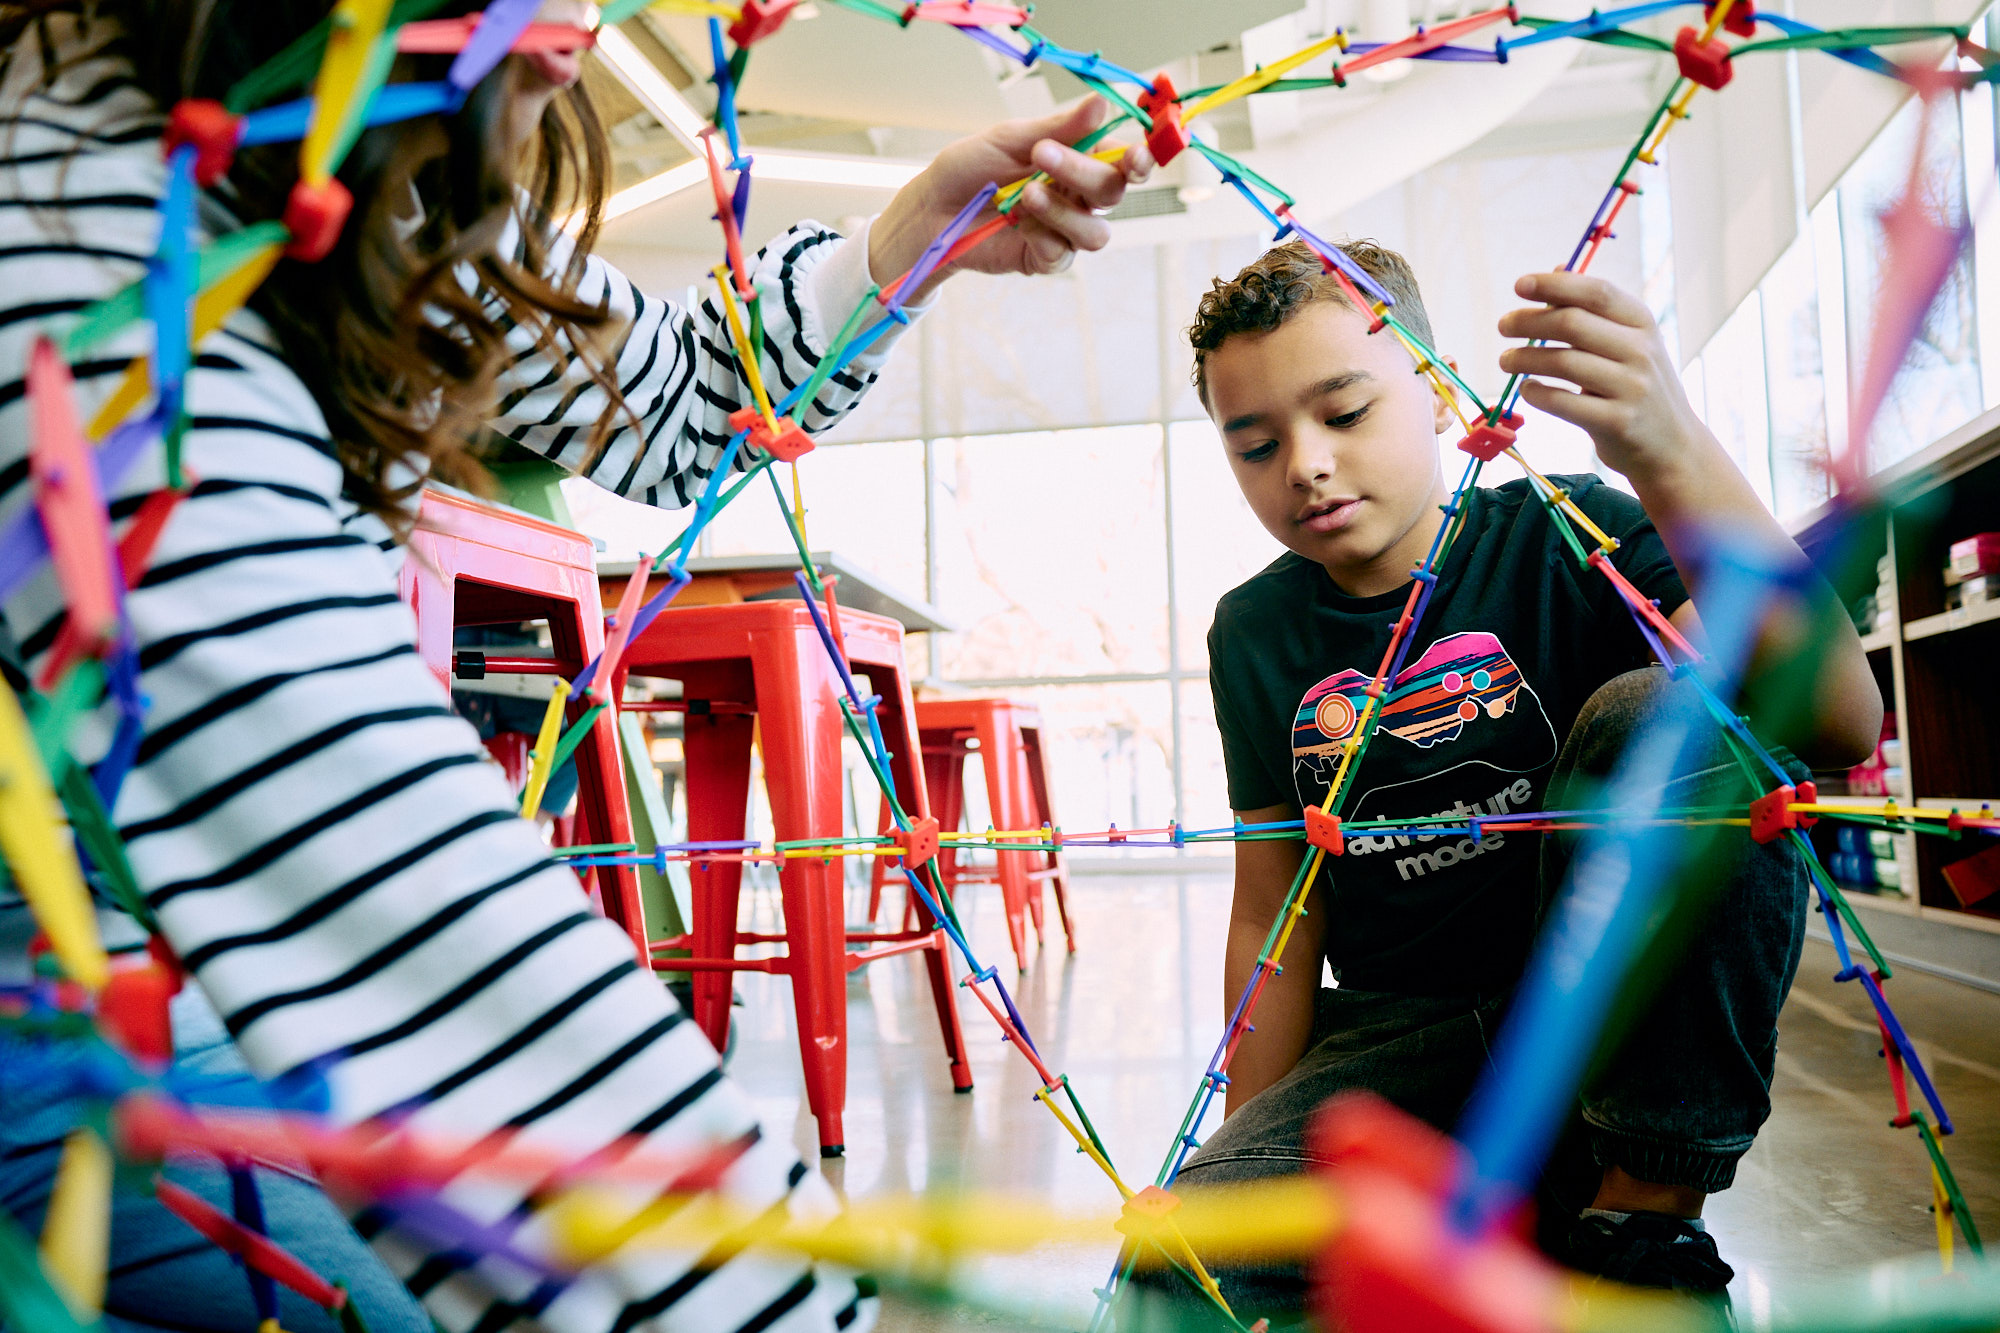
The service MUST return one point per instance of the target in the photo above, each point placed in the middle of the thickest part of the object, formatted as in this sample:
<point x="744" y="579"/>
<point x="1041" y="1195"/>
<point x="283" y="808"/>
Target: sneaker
<point x="1648" y="1250"/>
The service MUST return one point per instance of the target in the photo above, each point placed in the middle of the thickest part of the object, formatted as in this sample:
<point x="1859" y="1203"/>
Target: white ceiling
<point x="842" y="82"/>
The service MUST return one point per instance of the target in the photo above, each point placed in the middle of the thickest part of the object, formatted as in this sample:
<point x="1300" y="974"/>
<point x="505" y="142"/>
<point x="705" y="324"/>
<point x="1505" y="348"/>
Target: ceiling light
<point x="1195" y="194"/>
<point x="653" y="189"/>
<point x="645" y="82"/>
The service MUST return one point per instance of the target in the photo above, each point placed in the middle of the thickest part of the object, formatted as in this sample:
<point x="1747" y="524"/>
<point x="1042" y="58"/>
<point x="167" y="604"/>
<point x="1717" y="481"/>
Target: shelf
<point x="1899" y="903"/>
<point x="1963" y="618"/>
<point x="1876" y="642"/>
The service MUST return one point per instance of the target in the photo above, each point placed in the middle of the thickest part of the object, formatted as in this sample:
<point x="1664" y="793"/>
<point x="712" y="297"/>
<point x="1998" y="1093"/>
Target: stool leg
<point x="718" y="793"/>
<point x="909" y="771"/>
<point x="1002" y="805"/>
<point x="802" y="775"/>
<point x="878" y="866"/>
<point x="1045" y="813"/>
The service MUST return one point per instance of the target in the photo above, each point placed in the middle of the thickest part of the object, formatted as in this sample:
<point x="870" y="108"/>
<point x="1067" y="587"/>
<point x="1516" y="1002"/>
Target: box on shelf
<point x="1976" y="878"/>
<point x="1976" y="555"/>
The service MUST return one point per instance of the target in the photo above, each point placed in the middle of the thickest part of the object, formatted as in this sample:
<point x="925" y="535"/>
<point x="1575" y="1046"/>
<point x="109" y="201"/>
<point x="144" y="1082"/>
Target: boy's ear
<point x="1443" y="420"/>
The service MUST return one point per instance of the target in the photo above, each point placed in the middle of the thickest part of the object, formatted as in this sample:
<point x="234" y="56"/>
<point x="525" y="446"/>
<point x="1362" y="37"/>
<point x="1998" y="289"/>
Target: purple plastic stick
<point x="499" y="28"/>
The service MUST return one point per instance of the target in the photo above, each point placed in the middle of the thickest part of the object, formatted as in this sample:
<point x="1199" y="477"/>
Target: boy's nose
<point x="1310" y="466"/>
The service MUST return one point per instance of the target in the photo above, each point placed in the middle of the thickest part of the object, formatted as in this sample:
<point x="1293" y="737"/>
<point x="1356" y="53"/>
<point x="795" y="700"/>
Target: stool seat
<point x="767" y="662"/>
<point x="1008" y="736"/>
<point x="474" y="564"/>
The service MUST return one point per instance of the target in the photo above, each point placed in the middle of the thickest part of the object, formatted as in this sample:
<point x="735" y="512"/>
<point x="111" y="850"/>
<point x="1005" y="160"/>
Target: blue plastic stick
<point x="287" y="121"/>
<point x="1595" y="23"/>
<point x="1599" y="927"/>
<point x="725" y="96"/>
<point x="169" y="284"/>
<point x="249" y="1210"/>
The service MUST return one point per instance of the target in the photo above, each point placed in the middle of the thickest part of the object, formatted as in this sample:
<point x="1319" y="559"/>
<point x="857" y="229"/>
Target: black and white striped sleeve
<point x="320" y="837"/>
<point x="679" y="377"/>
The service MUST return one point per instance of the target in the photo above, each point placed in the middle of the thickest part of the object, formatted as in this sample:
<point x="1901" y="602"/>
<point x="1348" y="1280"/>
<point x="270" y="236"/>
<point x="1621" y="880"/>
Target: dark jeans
<point x="1678" y="1103"/>
<point x="163" y="1276"/>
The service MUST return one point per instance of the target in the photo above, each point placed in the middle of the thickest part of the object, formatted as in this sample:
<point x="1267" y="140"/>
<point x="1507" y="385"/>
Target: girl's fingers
<point x="1096" y="183"/>
<point x="1075" y="225"/>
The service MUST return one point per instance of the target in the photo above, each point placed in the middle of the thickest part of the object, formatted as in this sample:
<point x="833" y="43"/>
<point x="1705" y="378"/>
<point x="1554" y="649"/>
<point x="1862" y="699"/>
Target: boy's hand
<point x="1604" y="341"/>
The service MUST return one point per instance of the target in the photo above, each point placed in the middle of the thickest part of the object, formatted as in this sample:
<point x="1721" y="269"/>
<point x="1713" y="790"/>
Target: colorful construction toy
<point x="1408" y="1229"/>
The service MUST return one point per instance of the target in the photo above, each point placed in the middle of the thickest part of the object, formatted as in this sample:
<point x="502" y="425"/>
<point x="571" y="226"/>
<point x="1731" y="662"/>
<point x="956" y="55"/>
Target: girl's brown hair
<point x="400" y="351"/>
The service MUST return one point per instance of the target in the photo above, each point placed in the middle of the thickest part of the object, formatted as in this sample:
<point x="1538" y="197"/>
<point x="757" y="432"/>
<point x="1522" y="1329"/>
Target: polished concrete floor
<point x="1133" y="1017"/>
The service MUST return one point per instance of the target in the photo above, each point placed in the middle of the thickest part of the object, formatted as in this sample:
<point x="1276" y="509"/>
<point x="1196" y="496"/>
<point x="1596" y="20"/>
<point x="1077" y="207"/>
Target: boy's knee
<point x="1615" y="712"/>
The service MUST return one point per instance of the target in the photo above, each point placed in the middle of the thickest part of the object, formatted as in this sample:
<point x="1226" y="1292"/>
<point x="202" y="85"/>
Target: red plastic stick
<point x="257" y="1253"/>
<point x="71" y="500"/>
<point x="1641" y="604"/>
<point x="447" y="37"/>
<point x="725" y="213"/>
<point x="621" y="632"/>
<point x="135" y="552"/>
<point x="1424" y="39"/>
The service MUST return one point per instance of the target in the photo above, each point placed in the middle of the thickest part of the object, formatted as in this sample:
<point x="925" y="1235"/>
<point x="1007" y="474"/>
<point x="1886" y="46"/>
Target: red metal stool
<point x="764" y="663"/>
<point x="1009" y="737"/>
<point x="472" y="564"/>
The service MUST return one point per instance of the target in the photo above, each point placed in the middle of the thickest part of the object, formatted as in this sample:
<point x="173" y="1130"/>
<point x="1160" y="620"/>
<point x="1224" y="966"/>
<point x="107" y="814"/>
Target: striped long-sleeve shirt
<point x="315" y="829"/>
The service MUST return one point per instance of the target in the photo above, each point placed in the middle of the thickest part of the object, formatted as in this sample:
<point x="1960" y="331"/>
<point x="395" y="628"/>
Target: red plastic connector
<point x="760" y="18"/>
<point x="1490" y="439"/>
<point x="211" y="130"/>
<point x="1395" y="1263"/>
<point x="1706" y="63"/>
<point x="1771" y="814"/>
<point x="1742" y="20"/>
<point x="133" y="1008"/>
<point x="314" y="216"/>
<point x="1168" y="138"/>
<point x="788" y="445"/>
<point x="919" y="842"/>
<point x="1323" y="831"/>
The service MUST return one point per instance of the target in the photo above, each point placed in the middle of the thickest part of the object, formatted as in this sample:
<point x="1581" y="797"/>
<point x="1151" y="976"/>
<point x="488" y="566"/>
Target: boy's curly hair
<point x="1284" y="280"/>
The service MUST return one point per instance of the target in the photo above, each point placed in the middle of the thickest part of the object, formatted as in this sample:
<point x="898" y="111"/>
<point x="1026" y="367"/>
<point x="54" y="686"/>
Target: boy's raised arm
<point x="1264" y="874"/>
<point x="1629" y="397"/>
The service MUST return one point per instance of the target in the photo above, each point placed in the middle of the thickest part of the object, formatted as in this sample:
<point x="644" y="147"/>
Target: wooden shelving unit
<point x="1939" y="669"/>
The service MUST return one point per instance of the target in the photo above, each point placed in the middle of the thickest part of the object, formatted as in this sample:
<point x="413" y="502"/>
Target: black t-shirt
<point x="1516" y="638"/>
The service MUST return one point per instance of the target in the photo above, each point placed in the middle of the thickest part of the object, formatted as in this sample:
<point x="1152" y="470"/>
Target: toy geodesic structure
<point x="1409" y="1227"/>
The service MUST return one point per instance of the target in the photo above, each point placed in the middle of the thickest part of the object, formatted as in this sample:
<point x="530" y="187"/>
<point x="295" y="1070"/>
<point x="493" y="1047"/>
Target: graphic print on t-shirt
<point x="1461" y="684"/>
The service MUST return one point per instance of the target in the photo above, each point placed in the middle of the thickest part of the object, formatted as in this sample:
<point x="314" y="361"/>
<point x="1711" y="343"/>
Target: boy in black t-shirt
<point x="1524" y="679"/>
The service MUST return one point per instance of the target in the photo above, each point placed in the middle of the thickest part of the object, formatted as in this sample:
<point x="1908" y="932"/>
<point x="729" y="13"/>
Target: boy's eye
<point x="1258" y="453"/>
<point x="1346" y="419"/>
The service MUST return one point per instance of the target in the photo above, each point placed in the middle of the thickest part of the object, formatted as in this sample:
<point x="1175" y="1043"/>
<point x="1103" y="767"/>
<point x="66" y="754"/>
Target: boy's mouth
<point x="1330" y="517"/>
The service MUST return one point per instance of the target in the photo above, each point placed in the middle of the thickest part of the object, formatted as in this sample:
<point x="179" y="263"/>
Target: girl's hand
<point x="1061" y="213"/>
<point x="1603" y="340"/>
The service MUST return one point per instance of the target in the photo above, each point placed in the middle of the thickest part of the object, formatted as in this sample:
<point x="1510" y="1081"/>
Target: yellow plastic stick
<point x="76" y="1235"/>
<point x="704" y="8"/>
<point x="1941" y="1207"/>
<point x="213" y="306"/>
<point x="350" y="42"/>
<point x="746" y="355"/>
<point x="1716" y="19"/>
<point x="1605" y="541"/>
<point x="35" y="844"/>
<point x="1264" y="77"/>
<point x="542" y="757"/>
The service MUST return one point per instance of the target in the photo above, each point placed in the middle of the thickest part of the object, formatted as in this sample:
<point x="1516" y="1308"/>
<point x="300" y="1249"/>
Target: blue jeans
<point x="162" y="1274"/>
<point x="1686" y="1090"/>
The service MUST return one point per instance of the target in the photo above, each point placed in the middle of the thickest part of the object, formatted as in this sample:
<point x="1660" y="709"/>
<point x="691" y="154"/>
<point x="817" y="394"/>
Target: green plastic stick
<point x="735" y="489"/>
<point x="29" y="1303"/>
<point x="99" y="836"/>
<point x="53" y="715"/>
<point x="1234" y="167"/>
<point x="1950" y="1181"/>
<point x="1849" y="39"/>
<point x="574" y="736"/>
<point x="218" y="259"/>
<point x="295" y="66"/>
